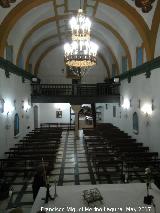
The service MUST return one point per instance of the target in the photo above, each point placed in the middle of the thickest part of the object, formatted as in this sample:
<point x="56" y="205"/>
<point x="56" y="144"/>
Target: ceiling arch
<point x="104" y="24"/>
<point x="136" y="19"/>
<point x="155" y="27"/>
<point x="97" y="38"/>
<point x="52" y="47"/>
<point x="120" y="5"/>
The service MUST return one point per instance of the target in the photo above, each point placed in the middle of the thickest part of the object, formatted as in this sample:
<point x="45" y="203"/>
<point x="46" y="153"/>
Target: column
<point x="76" y="109"/>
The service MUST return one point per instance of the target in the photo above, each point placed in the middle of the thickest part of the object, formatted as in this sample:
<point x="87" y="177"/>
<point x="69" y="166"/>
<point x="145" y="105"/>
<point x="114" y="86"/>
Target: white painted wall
<point x="47" y="112"/>
<point x="145" y="90"/>
<point x="50" y="70"/>
<point x="13" y="89"/>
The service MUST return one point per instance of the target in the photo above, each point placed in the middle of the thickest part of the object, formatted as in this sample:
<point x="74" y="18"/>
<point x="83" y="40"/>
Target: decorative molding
<point x="8" y="67"/>
<point x="146" y="68"/>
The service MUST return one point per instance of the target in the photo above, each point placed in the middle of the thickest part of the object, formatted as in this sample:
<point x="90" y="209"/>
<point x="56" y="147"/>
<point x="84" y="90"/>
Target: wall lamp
<point x="8" y="107"/>
<point x="26" y="106"/>
<point x="126" y="103"/>
<point x="147" y="109"/>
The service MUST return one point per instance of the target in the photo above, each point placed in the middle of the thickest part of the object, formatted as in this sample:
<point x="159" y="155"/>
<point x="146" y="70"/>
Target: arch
<point x="44" y="54"/>
<point x="104" y="24"/>
<point x="120" y="5"/>
<point x="106" y="46"/>
<point x="16" y="124"/>
<point x="136" y="19"/>
<point x="155" y="27"/>
<point x="135" y="123"/>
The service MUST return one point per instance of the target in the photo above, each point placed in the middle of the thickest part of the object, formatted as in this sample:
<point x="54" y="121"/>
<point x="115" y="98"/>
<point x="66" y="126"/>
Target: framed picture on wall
<point x="58" y="114"/>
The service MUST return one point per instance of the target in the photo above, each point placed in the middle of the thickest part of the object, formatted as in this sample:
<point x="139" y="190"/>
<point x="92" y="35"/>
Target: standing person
<point x="39" y="181"/>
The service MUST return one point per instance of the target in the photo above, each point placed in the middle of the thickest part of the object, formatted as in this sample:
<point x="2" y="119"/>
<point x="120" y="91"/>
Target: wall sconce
<point x="147" y="109"/>
<point x="126" y="104"/>
<point x="8" y="107"/>
<point x="26" y="106"/>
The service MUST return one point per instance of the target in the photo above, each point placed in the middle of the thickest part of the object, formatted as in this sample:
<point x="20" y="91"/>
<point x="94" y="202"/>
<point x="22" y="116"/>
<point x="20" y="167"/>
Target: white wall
<point x="50" y="70"/>
<point x="145" y="90"/>
<point x="47" y="112"/>
<point x="13" y="89"/>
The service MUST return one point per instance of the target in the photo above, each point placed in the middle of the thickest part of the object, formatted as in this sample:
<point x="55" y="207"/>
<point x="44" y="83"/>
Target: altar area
<point x="116" y="198"/>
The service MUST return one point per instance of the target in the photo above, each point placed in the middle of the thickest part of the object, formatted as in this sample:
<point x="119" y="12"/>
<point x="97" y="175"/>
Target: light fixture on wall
<point x="126" y="103"/>
<point x="81" y="53"/>
<point x="8" y="107"/>
<point x="26" y="106"/>
<point x="147" y="109"/>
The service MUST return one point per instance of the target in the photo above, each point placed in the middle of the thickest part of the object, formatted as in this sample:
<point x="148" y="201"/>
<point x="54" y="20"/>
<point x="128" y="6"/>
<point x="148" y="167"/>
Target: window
<point x="9" y="53"/>
<point x="113" y="70"/>
<point x="1" y="105"/>
<point x="135" y="123"/>
<point x="16" y="124"/>
<point x="114" y="111"/>
<point x="21" y="62"/>
<point x="139" y="56"/>
<point x="124" y="64"/>
<point x="30" y="68"/>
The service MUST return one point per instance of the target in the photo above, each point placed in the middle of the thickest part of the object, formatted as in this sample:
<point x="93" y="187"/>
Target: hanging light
<point x="81" y="52"/>
<point x="80" y="26"/>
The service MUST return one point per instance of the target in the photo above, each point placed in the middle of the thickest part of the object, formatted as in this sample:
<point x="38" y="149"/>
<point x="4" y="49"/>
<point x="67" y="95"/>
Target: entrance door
<point x="35" y="116"/>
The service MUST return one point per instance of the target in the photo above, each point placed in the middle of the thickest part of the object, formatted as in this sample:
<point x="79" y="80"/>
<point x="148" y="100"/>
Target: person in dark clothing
<point x="39" y="181"/>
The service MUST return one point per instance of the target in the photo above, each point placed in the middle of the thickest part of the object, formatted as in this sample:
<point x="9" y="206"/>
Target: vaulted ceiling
<point x="37" y="28"/>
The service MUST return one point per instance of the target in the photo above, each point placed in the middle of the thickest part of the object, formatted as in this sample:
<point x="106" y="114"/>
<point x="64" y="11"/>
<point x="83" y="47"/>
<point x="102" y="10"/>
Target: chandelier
<point x="81" y="52"/>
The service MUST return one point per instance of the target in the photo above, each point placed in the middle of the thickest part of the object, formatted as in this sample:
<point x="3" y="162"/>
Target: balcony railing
<point x="75" y="90"/>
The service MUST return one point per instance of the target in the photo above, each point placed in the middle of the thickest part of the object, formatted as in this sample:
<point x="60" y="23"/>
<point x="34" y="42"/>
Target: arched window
<point x="135" y="123"/>
<point x="16" y="124"/>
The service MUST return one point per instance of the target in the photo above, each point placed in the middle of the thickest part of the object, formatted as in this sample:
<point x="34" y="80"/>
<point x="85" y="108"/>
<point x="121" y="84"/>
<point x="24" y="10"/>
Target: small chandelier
<point x="81" y="52"/>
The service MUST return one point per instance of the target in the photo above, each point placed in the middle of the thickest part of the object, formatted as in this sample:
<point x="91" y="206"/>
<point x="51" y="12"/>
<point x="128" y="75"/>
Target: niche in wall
<point x="135" y="123"/>
<point x="16" y="124"/>
<point x="114" y="111"/>
<point x="1" y="105"/>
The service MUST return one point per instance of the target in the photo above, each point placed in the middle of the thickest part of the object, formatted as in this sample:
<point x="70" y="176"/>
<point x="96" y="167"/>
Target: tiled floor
<point x="71" y="168"/>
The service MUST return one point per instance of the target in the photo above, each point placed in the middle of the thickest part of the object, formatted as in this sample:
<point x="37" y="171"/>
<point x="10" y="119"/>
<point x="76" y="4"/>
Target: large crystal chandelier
<point x="82" y="52"/>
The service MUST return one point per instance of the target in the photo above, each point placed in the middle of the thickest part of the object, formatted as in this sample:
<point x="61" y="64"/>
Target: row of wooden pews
<point x="117" y="156"/>
<point x="25" y="156"/>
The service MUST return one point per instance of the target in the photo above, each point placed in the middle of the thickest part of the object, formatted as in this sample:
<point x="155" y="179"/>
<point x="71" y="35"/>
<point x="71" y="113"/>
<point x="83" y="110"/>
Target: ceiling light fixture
<point x="81" y="53"/>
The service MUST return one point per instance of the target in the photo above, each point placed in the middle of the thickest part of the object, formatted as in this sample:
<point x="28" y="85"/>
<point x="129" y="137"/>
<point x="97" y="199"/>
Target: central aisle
<point x="72" y="167"/>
